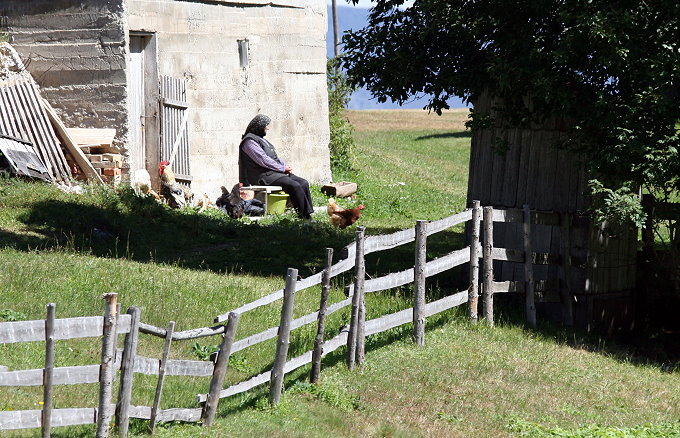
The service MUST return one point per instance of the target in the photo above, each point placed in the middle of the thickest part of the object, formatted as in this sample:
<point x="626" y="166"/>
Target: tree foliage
<point x="609" y="67"/>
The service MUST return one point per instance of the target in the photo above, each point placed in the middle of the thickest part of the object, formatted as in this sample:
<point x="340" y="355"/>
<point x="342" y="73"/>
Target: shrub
<point x="339" y="92"/>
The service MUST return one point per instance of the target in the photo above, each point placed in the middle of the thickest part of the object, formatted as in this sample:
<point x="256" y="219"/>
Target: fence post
<point x="565" y="287"/>
<point x="473" y="291"/>
<point x="161" y="377"/>
<point x="220" y="370"/>
<point x="321" y="319"/>
<point x="359" y="275"/>
<point x="46" y="423"/>
<point x="419" y="286"/>
<point x="107" y="368"/>
<point x="278" y="369"/>
<point x="529" y="269"/>
<point x="487" y="265"/>
<point x="127" y="365"/>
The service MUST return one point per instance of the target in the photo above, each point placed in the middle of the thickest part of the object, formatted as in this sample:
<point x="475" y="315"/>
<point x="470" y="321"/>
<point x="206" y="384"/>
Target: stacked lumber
<point x="26" y="116"/>
<point x="97" y="146"/>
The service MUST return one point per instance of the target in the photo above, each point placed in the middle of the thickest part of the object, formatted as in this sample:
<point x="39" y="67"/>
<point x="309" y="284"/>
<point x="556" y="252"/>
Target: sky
<point x="361" y="4"/>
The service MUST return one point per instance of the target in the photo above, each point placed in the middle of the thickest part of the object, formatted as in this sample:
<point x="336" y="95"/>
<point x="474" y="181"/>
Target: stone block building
<point x="182" y="78"/>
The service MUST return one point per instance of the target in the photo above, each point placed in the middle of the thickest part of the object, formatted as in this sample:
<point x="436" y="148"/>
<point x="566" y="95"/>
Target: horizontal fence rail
<point x="64" y="328"/>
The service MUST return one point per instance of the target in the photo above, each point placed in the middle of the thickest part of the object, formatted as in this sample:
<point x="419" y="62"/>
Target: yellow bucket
<point x="276" y="202"/>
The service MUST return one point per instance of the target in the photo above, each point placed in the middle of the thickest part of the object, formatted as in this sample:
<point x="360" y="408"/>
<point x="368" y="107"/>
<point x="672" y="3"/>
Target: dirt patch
<point x="407" y="120"/>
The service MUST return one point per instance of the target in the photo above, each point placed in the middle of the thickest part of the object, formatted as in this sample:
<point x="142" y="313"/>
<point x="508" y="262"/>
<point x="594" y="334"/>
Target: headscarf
<point x="257" y="125"/>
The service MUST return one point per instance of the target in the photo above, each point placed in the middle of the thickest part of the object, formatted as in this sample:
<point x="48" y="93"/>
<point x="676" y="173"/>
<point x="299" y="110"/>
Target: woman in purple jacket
<point x="260" y="165"/>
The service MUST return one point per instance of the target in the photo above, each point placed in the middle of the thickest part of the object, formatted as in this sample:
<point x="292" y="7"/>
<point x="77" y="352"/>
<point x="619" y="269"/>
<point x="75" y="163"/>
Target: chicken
<point x="343" y="217"/>
<point x="231" y="202"/>
<point x="205" y="203"/>
<point x="142" y="184"/>
<point x="172" y="192"/>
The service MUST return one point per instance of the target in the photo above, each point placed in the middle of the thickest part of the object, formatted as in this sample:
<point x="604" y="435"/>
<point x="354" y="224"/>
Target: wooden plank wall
<point x="174" y="107"/>
<point x="533" y="171"/>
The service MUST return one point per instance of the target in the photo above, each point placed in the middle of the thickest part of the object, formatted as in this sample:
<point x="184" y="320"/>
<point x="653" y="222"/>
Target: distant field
<point x="407" y="120"/>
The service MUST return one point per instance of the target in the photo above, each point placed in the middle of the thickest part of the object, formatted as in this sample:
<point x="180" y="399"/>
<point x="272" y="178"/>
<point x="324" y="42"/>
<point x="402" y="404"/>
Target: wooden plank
<point x="174" y="103"/>
<point x="107" y="371"/>
<point x="219" y="371"/>
<point x="419" y="283"/>
<point x="38" y="132"/>
<point x="64" y="328"/>
<point x="161" y="377"/>
<point x="508" y="286"/>
<point x="359" y="282"/>
<point x="498" y="167"/>
<point x="530" y="307"/>
<point x="446" y="303"/>
<point x="389" y="241"/>
<point x="180" y="414"/>
<point x="508" y="194"/>
<point x="278" y="372"/>
<point x="448" y="222"/>
<point x="146" y="365"/>
<point x="449" y="261"/>
<point x="127" y="372"/>
<point x="473" y="288"/>
<point x="73" y="375"/>
<point x="71" y="145"/>
<point x="47" y="133"/>
<point x="143" y="412"/>
<point x="487" y="265"/>
<point x="195" y="368"/>
<point x="508" y="255"/>
<point x="48" y="372"/>
<point x="92" y="136"/>
<point x="321" y="318"/>
<point x="30" y="419"/>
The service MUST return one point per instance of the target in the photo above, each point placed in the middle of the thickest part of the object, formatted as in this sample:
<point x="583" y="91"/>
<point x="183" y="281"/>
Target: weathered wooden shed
<point x="183" y="76"/>
<point x="595" y="273"/>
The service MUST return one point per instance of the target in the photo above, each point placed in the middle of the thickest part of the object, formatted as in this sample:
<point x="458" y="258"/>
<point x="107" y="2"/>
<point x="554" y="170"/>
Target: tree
<point x="610" y="67"/>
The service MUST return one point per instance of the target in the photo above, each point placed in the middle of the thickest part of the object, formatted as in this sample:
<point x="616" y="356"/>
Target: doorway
<point x="143" y="100"/>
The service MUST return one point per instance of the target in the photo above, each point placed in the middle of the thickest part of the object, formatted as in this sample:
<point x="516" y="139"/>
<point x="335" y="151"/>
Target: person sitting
<point x="259" y="164"/>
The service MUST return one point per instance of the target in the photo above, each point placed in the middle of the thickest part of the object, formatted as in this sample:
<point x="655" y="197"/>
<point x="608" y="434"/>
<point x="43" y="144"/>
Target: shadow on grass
<point x="656" y="348"/>
<point x="457" y="134"/>
<point x="142" y="230"/>
<point x="149" y="232"/>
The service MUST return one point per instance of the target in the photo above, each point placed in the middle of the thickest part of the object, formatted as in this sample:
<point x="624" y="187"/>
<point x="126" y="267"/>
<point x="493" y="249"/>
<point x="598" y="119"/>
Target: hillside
<point x="468" y="380"/>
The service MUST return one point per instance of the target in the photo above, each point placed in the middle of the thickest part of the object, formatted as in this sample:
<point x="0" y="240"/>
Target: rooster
<point x="170" y="190"/>
<point x="343" y="217"/>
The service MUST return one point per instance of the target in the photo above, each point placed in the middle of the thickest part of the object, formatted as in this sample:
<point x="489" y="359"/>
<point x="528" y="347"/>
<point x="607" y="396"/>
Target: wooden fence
<point x="130" y="363"/>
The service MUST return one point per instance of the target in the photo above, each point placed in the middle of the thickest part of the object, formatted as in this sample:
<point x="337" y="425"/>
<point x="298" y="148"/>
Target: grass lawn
<point x="188" y="267"/>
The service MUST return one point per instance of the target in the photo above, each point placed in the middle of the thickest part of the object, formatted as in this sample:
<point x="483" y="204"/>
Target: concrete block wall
<point x="76" y="52"/>
<point x="285" y="78"/>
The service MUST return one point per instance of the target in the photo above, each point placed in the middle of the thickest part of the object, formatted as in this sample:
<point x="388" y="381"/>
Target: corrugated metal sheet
<point x="20" y="157"/>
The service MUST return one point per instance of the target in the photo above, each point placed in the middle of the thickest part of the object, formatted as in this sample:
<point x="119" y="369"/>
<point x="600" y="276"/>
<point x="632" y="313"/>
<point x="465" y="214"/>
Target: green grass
<point x="188" y="267"/>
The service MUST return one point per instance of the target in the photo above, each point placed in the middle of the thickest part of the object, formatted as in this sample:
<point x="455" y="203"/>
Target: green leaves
<point x="611" y="68"/>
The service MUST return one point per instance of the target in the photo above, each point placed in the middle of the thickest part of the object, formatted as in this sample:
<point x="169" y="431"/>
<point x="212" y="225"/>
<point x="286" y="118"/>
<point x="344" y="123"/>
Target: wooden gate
<point x="174" y="131"/>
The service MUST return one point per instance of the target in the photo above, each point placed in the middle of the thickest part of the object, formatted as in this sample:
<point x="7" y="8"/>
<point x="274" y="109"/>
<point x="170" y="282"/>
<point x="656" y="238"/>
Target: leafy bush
<point x="339" y="92"/>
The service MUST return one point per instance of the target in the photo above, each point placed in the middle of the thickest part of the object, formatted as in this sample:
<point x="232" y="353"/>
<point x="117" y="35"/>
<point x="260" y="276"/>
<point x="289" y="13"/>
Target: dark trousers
<point x="298" y="190"/>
